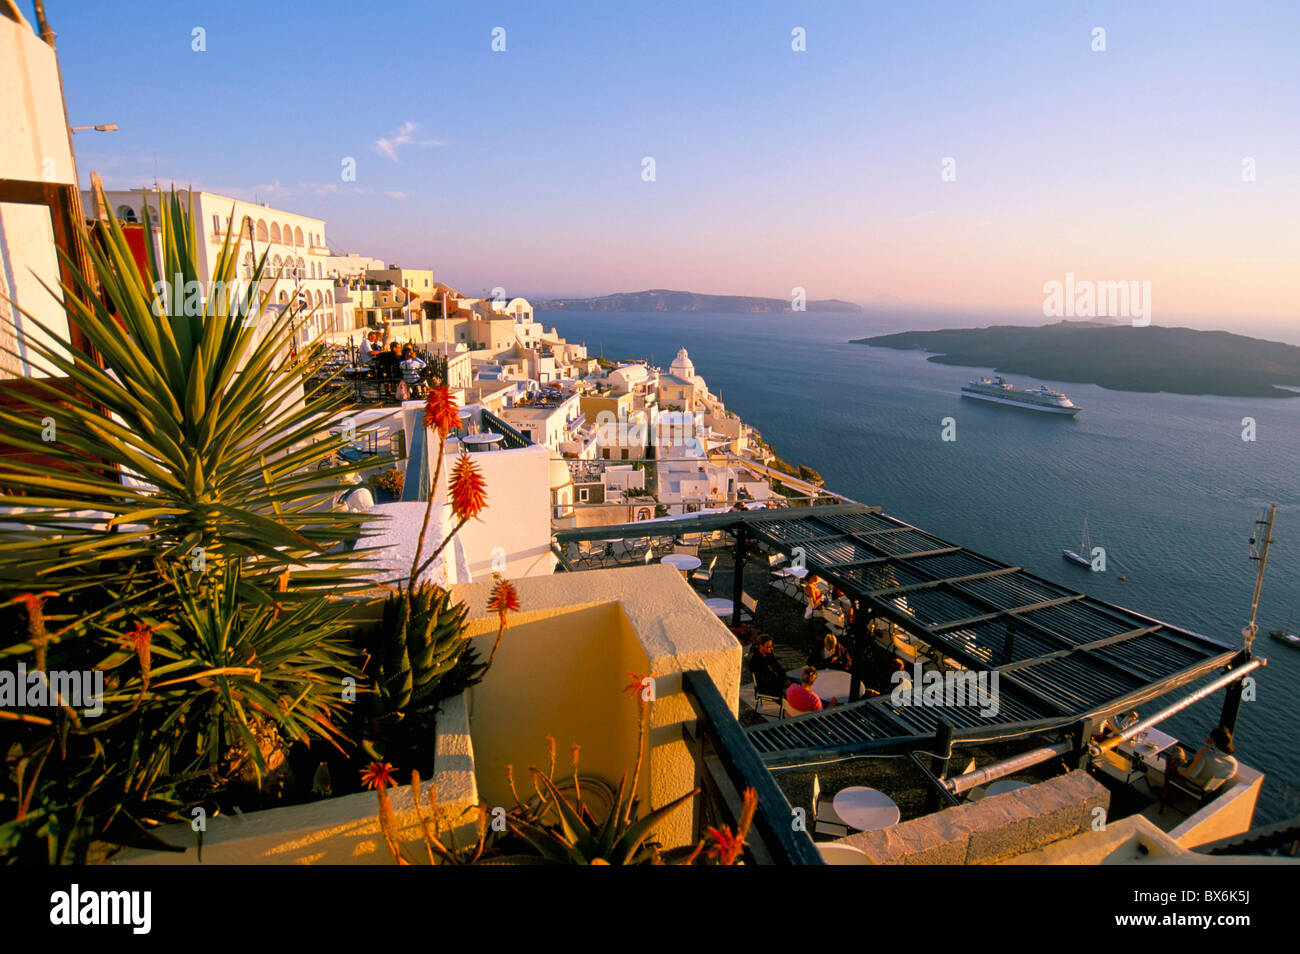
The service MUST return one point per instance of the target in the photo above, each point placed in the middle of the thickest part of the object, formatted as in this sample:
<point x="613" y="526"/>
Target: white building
<point x="299" y="262"/>
<point x="548" y="423"/>
<point x="35" y="155"/>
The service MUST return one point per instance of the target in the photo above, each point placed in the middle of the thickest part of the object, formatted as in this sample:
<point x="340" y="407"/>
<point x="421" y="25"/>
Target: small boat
<point x="1288" y="639"/>
<point x="1084" y="555"/>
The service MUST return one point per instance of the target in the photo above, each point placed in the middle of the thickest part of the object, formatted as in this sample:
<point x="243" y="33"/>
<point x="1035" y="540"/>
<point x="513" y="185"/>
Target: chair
<point x="834" y="617"/>
<point x="689" y="550"/>
<point x="775" y="560"/>
<point x="762" y="700"/>
<point x="704" y="574"/>
<point x="650" y="556"/>
<point x="825" y="821"/>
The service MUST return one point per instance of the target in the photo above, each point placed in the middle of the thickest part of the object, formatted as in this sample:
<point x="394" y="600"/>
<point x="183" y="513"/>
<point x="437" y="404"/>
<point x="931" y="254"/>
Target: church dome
<point x="682" y="366"/>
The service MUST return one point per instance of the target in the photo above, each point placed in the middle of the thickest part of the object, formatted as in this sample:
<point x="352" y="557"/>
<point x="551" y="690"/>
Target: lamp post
<point x="104" y="127"/>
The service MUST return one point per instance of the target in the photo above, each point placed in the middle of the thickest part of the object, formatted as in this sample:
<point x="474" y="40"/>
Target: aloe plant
<point x="578" y="839"/>
<point x="411" y="657"/>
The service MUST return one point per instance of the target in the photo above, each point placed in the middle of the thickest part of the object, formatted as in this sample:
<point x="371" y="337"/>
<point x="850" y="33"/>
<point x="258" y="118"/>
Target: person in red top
<point x="801" y="697"/>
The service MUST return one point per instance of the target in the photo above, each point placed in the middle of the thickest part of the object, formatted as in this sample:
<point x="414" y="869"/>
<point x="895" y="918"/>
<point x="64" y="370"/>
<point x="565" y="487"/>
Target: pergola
<point x="1064" y="659"/>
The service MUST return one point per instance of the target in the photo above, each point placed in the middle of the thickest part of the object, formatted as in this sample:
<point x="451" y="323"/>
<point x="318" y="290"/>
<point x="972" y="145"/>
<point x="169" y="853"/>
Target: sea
<point x="1167" y="483"/>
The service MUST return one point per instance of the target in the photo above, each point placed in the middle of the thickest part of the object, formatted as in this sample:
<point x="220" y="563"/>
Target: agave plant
<point x="177" y="515"/>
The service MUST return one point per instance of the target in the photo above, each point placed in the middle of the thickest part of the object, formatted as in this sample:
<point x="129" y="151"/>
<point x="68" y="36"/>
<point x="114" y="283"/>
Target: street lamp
<point x="106" y="127"/>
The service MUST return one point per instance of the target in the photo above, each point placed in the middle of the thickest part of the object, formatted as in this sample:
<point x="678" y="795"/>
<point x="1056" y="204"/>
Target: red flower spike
<point x="637" y="684"/>
<point x="441" y="412"/>
<point x="378" y="776"/>
<point x="724" y="846"/>
<point x="504" y="598"/>
<point x="138" y="639"/>
<point x="467" y="488"/>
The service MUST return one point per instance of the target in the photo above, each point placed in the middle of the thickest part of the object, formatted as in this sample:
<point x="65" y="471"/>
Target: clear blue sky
<point x="774" y="168"/>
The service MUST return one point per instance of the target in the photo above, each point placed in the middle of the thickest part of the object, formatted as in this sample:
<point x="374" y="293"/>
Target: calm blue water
<point x="1166" y="482"/>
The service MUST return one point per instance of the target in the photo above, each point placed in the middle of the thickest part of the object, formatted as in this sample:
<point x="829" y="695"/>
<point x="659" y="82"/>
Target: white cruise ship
<point x="999" y="391"/>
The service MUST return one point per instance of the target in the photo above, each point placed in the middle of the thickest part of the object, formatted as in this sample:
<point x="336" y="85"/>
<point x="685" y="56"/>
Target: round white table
<point x="482" y="441"/>
<point x="719" y="606"/>
<point x="865" y="808"/>
<point x="798" y="572"/>
<point x="830" y="684"/>
<point x="836" y="854"/>
<point x="1004" y="785"/>
<point x="682" y="561"/>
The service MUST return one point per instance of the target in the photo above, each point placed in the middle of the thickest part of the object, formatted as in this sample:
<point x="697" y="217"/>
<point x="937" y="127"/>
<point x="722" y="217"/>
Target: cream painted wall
<point x="517" y="519"/>
<point x="562" y="667"/>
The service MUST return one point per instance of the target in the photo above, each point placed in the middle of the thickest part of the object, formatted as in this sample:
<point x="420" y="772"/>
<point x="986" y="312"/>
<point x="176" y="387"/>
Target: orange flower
<point x="378" y="776"/>
<point x="138" y="638"/>
<point x="637" y="684"/>
<point x="35" y="601"/>
<point x="440" y="411"/>
<point x="504" y="599"/>
<point x="724" y="846"/>
<point x="468" y="489"/>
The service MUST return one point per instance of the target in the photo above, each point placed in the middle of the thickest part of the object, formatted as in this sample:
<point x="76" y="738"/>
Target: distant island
<point x="662" y="299"/>
<point x="1116" y="357"/>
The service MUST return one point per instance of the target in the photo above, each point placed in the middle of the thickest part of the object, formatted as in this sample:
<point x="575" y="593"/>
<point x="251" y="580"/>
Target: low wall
<point x="995" y="828"/>
<point x="342" y="830"/>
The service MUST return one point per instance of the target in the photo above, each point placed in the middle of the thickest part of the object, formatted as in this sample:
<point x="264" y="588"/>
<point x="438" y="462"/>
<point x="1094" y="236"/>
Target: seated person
<point x="801" y="696"/>
<point x="410" y="366"/>
<point x="812" y="592"/>
<point x="831" y="654"/>
<point x="1213" y="764"/>
<point x="769" y="678"/>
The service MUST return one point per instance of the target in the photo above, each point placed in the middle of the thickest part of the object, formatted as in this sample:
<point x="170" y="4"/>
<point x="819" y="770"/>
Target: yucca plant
<point x="190" y="439"/>
<point x="180" y="541"/>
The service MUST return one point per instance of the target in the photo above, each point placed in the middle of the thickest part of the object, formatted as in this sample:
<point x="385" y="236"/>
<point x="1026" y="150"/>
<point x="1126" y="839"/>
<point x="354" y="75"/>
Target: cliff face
<point x="1118" y="357"/>
<point x="661" y="299"/>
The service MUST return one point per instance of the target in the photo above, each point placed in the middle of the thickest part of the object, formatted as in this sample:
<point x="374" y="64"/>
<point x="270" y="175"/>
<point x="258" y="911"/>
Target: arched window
<point x="297" y="236"/>
<point x="284" y="298"/>
<point x="287" y="232"/>
<point x="302" y="266"/>
<point x="329" y="298"/>
<point x="126" y="214"/>
<point x="319" y="300"/>
<point x="275" y="232"/>
<point x="262" y="234"/>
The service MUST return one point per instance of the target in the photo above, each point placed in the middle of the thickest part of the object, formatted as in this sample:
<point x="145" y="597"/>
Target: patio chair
<point x="775" y="560"/>
<point x="704" y="574"/>
<point x="825" y="821"/>
<point x="834" y="617"/>
<point x="768" y="706"/>
<point x="689" y="550"/>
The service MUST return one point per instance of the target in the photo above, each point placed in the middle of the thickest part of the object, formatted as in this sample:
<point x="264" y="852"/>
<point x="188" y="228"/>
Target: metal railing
<point x="729" y="764"/>
<point x="512" y="438"/>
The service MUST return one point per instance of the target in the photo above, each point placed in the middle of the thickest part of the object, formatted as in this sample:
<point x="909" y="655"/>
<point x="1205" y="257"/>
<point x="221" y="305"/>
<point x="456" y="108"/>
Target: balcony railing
<point x="512" y="438"/>
<point x="729" y="764"/>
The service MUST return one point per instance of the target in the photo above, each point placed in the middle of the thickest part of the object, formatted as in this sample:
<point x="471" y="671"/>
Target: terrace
<point x="1065" y="662"/>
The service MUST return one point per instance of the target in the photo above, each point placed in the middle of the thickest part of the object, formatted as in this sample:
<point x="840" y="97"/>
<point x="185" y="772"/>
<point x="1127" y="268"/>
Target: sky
<point x="773" y="168"/>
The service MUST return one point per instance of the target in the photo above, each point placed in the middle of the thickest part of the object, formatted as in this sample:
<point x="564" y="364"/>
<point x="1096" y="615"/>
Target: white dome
<point x="682" y="366"/>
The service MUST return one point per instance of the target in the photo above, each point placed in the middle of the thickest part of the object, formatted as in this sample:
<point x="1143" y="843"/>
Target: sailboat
<point x="1084" y="556"/>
